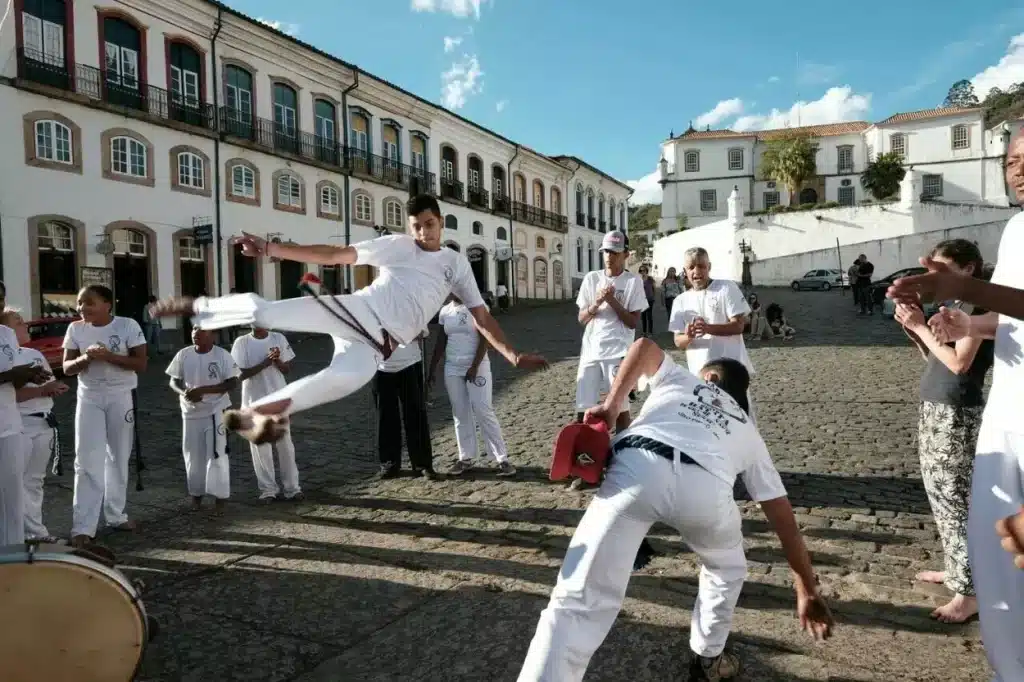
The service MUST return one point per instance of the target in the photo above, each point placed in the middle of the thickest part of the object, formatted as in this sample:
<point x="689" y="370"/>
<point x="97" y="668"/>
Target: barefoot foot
<point x="218" y="507"/>
<point x="934" y="577"/>
<point x="196" y="504"/>
<point x="960" y="609"/>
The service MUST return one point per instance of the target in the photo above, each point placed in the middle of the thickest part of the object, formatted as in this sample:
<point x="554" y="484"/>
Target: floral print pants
<point x="947" y="437"/>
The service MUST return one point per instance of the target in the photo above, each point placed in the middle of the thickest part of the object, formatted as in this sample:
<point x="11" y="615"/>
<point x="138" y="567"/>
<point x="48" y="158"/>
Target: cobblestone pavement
<point x="416" y="580"/>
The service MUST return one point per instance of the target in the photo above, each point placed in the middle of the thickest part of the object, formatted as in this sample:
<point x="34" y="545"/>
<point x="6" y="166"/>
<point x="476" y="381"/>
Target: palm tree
<point x="789" y="160"/>
<point x="882" y="177"/>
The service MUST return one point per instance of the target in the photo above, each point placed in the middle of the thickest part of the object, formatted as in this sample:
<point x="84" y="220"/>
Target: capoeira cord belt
<point x="51" y="420"/>
<point x="137" y="444"/>
<point x="655" y="446"/>
<point x="343" y="315"/>
<point x="216" y="432"/>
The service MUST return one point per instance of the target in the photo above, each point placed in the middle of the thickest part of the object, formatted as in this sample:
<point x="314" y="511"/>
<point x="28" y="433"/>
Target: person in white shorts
<point x="264" y="357"/>
<point x="416" y="274"/>
<point x="676" y="464"/>
<point x="35" y="403"/>
<point x="708" y="318"/>
<point x="202" y="375"/>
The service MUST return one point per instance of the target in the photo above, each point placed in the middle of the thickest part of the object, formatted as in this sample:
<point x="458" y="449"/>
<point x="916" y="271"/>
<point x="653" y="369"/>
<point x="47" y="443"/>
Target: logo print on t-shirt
<point x="449" y="274"/>
<point x="213" y="370"/>
<point x="114" y="343"/>
<point x="8" y="351"/>
<point x="480" y="381"/>
<point x="463" y="319"/>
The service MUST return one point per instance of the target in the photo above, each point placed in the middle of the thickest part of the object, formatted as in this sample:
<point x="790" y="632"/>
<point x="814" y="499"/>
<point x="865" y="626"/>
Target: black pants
<point x="647" y="318"/>
<point x="399" y="398"/>
<point x="668" y="304"/>
<point x="867" y="304"/>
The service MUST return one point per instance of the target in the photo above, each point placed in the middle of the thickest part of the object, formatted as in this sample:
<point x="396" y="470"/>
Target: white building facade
<point x="144" y="146"/>
<point x="959" y="161"/>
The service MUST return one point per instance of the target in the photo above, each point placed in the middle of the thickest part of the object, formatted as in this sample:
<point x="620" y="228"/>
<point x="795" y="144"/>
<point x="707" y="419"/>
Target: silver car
<point x="820" y="279"/>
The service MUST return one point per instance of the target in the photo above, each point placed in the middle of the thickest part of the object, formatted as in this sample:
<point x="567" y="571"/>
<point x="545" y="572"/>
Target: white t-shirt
<point x="249" y="351"/>
<point x="463" y="340"/>
<point x="413" y="283"/>
<point x="606" y="337"/>
<point x="120" y="335"/>
<point x="401" y="358"/>
<point x="10" y="417"/>
<point x="703" y="421"/>
<point x="1006" y="396"/>
<point x="195" y="370"/>
<point x="42" y="404"/>
<point x="717" y="303"/>
<point x="500" y="291"/>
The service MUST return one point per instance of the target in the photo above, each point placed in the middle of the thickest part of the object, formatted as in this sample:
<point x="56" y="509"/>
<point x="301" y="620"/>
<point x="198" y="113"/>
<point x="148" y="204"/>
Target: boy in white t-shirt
<point x="264" y="357"/>
<point x="610" y="303"/>
<point x="202" y="375"/>
<point x="708" y="318"/>
<point x="415" y="276"/>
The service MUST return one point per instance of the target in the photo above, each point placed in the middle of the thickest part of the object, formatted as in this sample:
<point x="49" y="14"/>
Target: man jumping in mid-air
<point x="415" y="277"/>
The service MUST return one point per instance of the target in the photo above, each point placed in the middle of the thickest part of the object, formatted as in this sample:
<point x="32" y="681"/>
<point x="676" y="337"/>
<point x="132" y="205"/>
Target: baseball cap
<point x="615" y="241"/>
<point x="581" y="451"/>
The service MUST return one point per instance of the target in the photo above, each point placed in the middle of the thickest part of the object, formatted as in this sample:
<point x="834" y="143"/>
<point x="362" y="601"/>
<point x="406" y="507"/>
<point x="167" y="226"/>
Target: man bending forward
<point x="416" y="276"/>
<point x="676" y="464"/>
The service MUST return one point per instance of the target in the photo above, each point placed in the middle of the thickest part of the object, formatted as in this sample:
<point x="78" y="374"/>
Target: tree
<point x="882" y="177"/>
<point x="681" y="222"/>
<point x="789" y="160"/>
<point x="961" y="94"/>
<point x="640" y="247"/>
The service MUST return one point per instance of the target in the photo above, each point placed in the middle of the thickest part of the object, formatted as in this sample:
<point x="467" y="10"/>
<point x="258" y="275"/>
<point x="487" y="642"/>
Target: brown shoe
<point x="725" y="666"/>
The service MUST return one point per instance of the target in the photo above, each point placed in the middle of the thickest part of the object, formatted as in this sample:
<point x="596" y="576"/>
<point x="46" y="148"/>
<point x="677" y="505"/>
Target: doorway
<point x="478" y="262"/>
<point x="556" y="279"/>
<point x="192" y="277"/>
<point x="131" y="273"/>
<point x="289" y="273"/>
<point x="245" y="272"/>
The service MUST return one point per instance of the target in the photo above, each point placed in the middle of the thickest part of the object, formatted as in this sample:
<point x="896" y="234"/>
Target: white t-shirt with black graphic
<point x="42" y="404"/>
<point x="703" y="421"/>
<point x="10" y="418"/>
<point x="195" y="370"/>
<point x="118" y="336"/>
<point x="412" y="283"/>
<point x="605" y="337"/>
<point x="717" y="303"/>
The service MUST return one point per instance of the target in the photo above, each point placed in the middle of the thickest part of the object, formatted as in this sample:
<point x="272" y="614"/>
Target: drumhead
<point x="67" y="618"/>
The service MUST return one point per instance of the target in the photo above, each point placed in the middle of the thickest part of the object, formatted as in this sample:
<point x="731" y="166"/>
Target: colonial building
<point x="958" y="159"/>
<point x="145" y="136"/>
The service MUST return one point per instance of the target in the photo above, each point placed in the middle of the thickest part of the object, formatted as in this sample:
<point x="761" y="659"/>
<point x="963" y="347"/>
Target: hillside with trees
<point x="1001" y="105"/>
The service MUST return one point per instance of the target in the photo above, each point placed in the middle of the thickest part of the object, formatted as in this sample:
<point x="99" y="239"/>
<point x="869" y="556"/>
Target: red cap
<point x="310" y="278"/>
<point x="581" y="451"/>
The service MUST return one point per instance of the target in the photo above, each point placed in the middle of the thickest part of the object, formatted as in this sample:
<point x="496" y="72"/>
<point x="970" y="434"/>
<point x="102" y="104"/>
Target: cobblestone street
<point x="414" y="580"/>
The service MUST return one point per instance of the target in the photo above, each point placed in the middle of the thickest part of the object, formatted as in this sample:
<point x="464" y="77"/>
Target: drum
<point x="67" y="618"/>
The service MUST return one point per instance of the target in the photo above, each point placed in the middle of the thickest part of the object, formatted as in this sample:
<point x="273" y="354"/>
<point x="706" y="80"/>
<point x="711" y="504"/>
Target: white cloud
<point x="458" y="8"/>
<point x="282" y="26"/>
<point x="646" y="190"/>
<point x="727" y="108"/>
<point x="463" y="80"/>
<point x="451" y="43"/>
<point x="500" y="106"/>
<point x="1008" y="71"/>
<point x="835" y="106"/>
<point x="773" y="79"/>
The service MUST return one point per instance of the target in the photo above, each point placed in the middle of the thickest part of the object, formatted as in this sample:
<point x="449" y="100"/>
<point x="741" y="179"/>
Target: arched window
<point x="478" y="228"/>
<point x="57" y="265"/>
<point x="286" y="110"/>
<point x="393" y="213"/>
<point x="556" y="201"/>
<point x="501" y="234"/>
<point x="326" y="122"/>
<point x="363" y="209"/>
<point x="539" y="243"/>
<point x="622" y="217"/>
<point x="53" y="142"/>
<point x="243" y="181"/>
<point x="189" y="250"/>
<point x="122" y="68"/>
<point x="590" y="208"/>
<point x="129" y="243"/>
<point x="579" y="254"/>
<point x="238" y="98"/>
<point x="128" y="157"/>
<point x="289" y="191"/>
<point x="330" y="201"/>
<point x="579" y="206"/>
<point x="538" y="194"/>
<point x="191" y="171"/>
<point x="611" y="213"/>
<point x="451" y="222"/>
<point x="590" y="256"/>
<point x="186" y="72"/>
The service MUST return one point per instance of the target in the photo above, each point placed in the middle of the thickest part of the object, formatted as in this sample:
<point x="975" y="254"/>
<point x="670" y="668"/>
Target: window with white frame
<point x="330" y="203"/>
<point x="55" y="236"/>
<point x="122" y="60"/>
<point x="931" y="186"/>
<point x="285" y="110"/>
<point x="243" y="181"/>
<point x="43" y="40"/>
<point x="845" y="154"/>
<point x="185" y="64"/>
<point x="189" y="249"/>
<point x="847" y="196"/>
<point x="238" y="89"/>
<point x="392" y="213"/>
<point x="961" y="137"/>
<point x="324" y="113"/>
<point x="474" y="178"/>
<point x="735" y="159"/>
<point x="363" y="207"/>
<point x="129" y="242"/>
<point x="53" y="142"/>
<point x="191" y="171"/>
<point x="691" y="162"/>
<point x="871" y="153"/>
<point x="708" y="200"/>
<point x="771" y="200"/>
<point x="128" y="157"/>
<point x="447" y="170"/>
<point x="289" y="191"/>
<point x="898" y="144"/>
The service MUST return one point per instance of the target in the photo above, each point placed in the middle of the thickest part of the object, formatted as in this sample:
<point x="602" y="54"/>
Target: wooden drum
<point x="67" y="618"/>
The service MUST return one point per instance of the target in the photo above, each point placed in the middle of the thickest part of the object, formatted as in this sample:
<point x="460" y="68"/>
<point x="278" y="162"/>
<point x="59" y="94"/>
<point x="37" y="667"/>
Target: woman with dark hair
<point x="671" y="287"/>
<point x="950" y="416"/>
<point x="107" y="353"/>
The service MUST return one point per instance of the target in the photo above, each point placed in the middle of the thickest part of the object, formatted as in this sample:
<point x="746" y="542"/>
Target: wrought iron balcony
<point x="501" y="204"/>
<point x="580" y="220"/>
<point x="602" y="226"/>
<point x="611" y="225"/>
<point x="452" y="189"/>
<point x="389" y="171"/>
<point x="592" y="222"/>
<point x="275" y="137"/>
<point x="539" y="217"/>
<point x="112" y="88"/>
<point x="479" y="198"/>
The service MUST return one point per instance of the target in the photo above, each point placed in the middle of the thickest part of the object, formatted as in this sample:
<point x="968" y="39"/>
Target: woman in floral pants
<point x="951" y="409"/>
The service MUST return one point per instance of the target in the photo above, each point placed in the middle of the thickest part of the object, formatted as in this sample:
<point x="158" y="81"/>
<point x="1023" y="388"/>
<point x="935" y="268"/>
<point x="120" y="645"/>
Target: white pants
<point x="12" y="490"/>
<point x="471" y="405"/>
<point x="641" y="489"/>
<point x="997" y="491"/>
<point x="753" y="410"/>
<point x="203" y="444"/>
<point x="104" y="430"/>
<point x="594" y="380"/>
<point x="263" y="463"/>
<point x="355" y="360"/>
<point x="38" y="449"/>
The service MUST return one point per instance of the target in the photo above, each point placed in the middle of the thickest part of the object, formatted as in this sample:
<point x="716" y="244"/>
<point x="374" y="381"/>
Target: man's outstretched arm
<point x="488" y="326"/>
<point x="316" y="254"/>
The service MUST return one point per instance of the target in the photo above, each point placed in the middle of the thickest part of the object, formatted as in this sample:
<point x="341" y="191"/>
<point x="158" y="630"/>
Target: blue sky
<point x="608" y="81"/>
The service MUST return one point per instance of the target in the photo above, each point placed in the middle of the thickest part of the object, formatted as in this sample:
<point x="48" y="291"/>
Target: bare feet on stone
<point x="960" y="609"/>
<point x="934" y="577"/>
<point x="174" y="306"/>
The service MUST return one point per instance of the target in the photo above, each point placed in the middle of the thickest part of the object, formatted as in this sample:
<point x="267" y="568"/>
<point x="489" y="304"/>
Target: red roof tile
<point x="925" y="114"/>
<point x="824" y="130"/>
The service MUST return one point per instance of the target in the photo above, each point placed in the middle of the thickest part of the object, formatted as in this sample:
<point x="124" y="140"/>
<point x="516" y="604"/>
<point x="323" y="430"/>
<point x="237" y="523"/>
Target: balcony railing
<point x="844" y="169"/>
<point x="389" y="171"/>
<point x="479" y="198"/>
<point x="611" y="226"/>
<point x="501" y="204"/>
<point x="452" y="189"/>
<point x="112" y="88"/>
<point x="276" y="137"/>
<point x="580" y="219"/>
<point x="603" y="225"/>
<point x="539" y="217"/>
<point x="592" y="223"/>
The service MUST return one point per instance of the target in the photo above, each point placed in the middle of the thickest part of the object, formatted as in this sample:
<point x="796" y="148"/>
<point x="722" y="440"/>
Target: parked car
<point x="821" y="279"/>
<point x="48" y="338"/>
